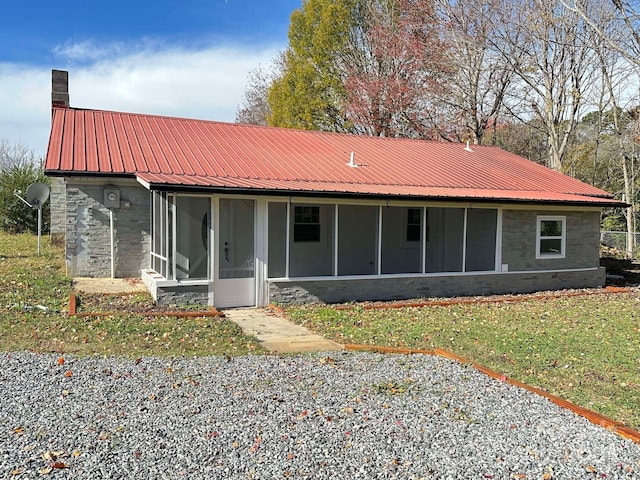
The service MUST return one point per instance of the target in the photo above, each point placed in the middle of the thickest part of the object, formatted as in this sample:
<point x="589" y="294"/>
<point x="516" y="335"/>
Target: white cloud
<point x="207" y="83"/>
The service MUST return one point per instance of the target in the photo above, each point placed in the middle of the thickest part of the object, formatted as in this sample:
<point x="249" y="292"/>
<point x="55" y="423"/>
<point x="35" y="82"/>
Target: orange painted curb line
<point x="470" y="301"/>
<point x="212" y="312"/>
<point x="612" y="425"/>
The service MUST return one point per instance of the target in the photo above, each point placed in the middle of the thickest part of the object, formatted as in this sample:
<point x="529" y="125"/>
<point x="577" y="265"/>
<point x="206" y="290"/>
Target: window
<point x="550" y="237"/>
<point x="414" y="221"/>
<point x="306" y="225"/>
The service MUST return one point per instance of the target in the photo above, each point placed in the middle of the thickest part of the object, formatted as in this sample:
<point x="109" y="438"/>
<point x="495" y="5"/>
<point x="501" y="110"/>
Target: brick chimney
<point x="59" y="88"/>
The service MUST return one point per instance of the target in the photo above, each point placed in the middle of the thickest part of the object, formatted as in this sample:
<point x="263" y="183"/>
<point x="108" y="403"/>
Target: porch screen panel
<point x="481" y="239"/>
<point x="192" y="237"/>
<point x="277" y="239"/>
<point x="357" y="240"/>
<point x="236" y="252"/>
<point x="401" y="240"/>
<point x="445" y="236"/>
<point x="311" y="240"/>
<point x="159" y="229"/>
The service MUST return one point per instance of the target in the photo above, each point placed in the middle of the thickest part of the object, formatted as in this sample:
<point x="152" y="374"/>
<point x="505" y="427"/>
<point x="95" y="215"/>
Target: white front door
<point x="235" y="285"/>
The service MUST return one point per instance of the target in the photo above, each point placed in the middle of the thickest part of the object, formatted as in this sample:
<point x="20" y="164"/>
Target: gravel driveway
<point x="323" y="416"/>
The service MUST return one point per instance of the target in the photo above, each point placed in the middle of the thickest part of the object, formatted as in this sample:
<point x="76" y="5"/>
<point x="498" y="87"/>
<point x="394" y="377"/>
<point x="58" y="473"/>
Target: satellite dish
<point x="37" y="194"/>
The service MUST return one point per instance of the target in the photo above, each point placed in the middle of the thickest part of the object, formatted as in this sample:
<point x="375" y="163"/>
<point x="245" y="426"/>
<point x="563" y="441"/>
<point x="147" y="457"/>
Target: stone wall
<point x="88" y="236"/>
<point x="58" y="206"/>
<point x="400" y="288"/>
<point x="519" y="240"/>
<point x="183" y="295"/>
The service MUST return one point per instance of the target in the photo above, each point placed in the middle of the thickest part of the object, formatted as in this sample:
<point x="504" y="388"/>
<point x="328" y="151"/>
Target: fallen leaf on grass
<point x="17" y="471"/>
<point x="18" y="431"/>
<point x="45" y="471"/>
<point x="68" y="374"/>
<point x="61" y="361"/>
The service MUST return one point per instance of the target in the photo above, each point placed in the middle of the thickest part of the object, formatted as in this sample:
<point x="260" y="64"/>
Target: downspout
<point x="113" y="258"/>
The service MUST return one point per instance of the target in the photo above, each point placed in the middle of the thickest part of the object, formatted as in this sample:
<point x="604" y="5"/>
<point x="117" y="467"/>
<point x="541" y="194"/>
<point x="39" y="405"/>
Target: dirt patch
<point x="621" y="271"/>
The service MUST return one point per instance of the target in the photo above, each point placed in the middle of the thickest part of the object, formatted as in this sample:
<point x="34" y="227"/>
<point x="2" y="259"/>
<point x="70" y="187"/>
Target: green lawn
<point x="584" y="349"/>
<point x="34" y="297"/>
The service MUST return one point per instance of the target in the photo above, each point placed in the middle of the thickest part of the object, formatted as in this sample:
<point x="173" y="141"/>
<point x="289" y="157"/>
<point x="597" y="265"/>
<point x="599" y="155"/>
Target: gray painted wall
<point x="88" y="238"/>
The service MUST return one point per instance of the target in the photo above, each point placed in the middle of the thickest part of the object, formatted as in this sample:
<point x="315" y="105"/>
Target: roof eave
<point x="167" y="187"/>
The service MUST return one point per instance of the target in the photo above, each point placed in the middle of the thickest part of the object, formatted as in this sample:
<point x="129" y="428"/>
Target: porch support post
<point x="498" y="266"/>
<point x="424" y="239"/>
<point x="335" y="241"/>
<point x="261" y="251"/>
<point x="287" y="241"/>
<point x="464" y="242"/>
<point x="379" y="266"/>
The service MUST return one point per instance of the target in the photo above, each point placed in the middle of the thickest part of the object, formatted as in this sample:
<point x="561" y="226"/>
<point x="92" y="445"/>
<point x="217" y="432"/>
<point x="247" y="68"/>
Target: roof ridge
<point x="286" y="129"/>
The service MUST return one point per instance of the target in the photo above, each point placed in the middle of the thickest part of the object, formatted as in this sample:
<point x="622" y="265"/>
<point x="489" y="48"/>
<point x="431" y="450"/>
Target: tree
<point x="548" y="47"/>
<point x="19" y="167"/>
<point x="255" y="109"/>
<point x="627" y="21"/>
<point x="361" y="66"/>
<point x="480" y="77"/>
<point x="394" y="66"/>
<point x="310" y="94"/>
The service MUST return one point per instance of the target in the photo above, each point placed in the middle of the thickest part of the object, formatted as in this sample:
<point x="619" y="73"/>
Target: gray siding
<point x="398" y="288"/>
<point x="88" y="237"/>
<point x="183" y="295"/>
<point x="519" y="240"/>
<point x="58" y="207"/>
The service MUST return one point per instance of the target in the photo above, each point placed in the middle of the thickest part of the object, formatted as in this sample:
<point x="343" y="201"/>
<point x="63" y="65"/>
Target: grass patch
<point x="584" y="349"/>
<point x="34" y="295"/>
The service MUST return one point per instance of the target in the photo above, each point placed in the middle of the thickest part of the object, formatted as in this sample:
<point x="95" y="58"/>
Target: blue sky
<point x="188" y="58"/>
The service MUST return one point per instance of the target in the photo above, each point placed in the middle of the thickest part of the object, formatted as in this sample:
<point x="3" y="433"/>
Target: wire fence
<point x="618" y="240"/>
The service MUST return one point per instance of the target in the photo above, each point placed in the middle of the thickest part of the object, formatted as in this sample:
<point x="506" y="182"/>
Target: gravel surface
<point x="323" y="416"/>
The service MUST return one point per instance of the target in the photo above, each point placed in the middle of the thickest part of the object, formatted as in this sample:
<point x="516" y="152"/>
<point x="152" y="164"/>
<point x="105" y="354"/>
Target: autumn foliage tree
<point x="309" y="94"/>
<point x="369" y="67"/>
<point x="395" y="63"/>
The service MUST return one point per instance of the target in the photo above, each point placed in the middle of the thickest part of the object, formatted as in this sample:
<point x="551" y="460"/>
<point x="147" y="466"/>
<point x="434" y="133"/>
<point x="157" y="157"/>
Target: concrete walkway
<point x="278" y="334"/>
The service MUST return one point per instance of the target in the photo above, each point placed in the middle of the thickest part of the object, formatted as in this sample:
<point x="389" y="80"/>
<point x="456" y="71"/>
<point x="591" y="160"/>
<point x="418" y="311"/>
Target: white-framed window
<point x="551" y="234"/>
<point x="414" y="225"/>
<point x="306" y="224"/>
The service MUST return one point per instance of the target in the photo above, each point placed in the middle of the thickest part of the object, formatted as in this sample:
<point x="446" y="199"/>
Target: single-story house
<point x="237" y="215"/>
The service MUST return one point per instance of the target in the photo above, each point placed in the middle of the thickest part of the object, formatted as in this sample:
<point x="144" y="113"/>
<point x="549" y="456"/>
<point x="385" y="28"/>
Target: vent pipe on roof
<point x="59" y="88"/>
<point x="352" y="160"/>
<point x="468" y="148"/>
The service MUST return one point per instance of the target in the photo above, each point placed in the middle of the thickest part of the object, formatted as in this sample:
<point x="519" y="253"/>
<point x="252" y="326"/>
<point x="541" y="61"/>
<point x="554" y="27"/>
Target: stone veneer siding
<point x="525" y="272"/>
<point x="58" y="206"/>
<point x="88" y="237"/>
<point x="183" y="295"/>
<point x="400" y="288"/>
<point x="519" y="240"/>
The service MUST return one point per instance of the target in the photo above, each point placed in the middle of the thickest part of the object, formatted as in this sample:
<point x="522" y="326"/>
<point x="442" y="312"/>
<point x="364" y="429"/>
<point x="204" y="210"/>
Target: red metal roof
<point x="167" y="152"/>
